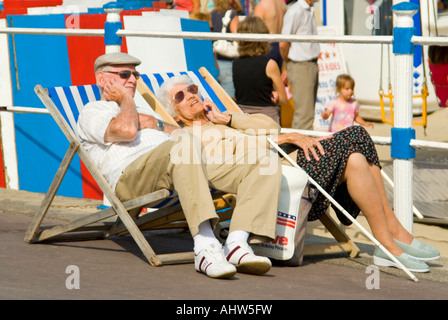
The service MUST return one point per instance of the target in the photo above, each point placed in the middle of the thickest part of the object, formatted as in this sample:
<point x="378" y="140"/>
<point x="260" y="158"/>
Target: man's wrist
<point x="160" y="125"/>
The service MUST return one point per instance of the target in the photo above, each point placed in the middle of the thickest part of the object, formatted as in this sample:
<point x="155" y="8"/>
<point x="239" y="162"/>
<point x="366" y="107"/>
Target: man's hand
<point x="114" y="91"/>
<point x="124" y="126"/>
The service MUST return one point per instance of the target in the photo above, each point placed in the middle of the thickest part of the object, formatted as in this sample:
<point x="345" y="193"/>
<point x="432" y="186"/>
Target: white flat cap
<point x="115" y="58"/>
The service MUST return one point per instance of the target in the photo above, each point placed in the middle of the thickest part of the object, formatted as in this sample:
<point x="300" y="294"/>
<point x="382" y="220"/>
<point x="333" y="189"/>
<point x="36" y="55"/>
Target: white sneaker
<point x="212" y="262"/>
<point x="241" y="255"/>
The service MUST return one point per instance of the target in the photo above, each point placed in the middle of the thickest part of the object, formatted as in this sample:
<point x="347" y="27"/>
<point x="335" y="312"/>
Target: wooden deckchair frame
<point x="343" y="245"/>
<point x="89" y="226"/>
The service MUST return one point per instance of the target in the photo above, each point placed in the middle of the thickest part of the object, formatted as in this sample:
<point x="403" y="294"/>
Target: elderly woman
<point x="250" y="173"/>
<point x="346" y="165"/>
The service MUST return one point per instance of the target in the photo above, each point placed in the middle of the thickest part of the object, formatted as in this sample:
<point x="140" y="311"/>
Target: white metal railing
<point x="417" y="40"/>
<point x="54" y="32"/>
<point x="384" y="141"/>
<point x="426" y="41"/>
<point x="203" y="35"/>
<point x="16" y="109"/>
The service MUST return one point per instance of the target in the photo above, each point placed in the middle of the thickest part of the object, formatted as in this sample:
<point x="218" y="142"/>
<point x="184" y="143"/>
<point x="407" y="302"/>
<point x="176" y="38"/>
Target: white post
<point x="402" y="133"/>
<point x="112" y="25"/>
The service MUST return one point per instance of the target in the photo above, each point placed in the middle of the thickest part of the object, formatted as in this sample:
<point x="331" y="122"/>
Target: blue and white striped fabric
<point x="155" y="80"/>
<point x="70" y="100"/>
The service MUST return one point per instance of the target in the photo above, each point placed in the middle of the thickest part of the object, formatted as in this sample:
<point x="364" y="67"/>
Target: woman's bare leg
<point x="396" y="228"/>
<point x="362" y="187"/>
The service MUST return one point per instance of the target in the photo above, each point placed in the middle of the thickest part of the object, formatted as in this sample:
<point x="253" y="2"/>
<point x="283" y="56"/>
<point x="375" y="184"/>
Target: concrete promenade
<point x="116" y="269"/>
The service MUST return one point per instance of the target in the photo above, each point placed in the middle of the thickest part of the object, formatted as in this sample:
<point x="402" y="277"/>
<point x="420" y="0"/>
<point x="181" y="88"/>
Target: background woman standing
<point x="256" y="77"/>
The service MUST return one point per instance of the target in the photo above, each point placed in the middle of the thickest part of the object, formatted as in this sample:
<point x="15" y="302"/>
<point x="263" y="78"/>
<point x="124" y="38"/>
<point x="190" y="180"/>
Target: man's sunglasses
<point x="180" y="95"/>
<point x="125" y="74"/>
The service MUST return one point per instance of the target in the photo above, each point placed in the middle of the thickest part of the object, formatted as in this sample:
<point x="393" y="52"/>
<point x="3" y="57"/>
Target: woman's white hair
<point x="164" y="91"/>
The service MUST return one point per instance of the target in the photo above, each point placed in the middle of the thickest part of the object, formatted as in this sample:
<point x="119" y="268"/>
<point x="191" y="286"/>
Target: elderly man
<point x="138" y="153"/>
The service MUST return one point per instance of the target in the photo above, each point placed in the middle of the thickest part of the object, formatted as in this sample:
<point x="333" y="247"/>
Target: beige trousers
<point x="304" y="80"/>
<point x="257" y="187"/>
<point x="173" y="165"/>
<point x="257" y="190"/>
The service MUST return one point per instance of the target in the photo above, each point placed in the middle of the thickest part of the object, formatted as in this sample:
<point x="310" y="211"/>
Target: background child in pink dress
<point x="344" y="108"/>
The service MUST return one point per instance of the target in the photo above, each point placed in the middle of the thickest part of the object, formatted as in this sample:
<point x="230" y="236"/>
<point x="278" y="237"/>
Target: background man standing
<point x="300" y="59"/>
<point x="272" y="12"/>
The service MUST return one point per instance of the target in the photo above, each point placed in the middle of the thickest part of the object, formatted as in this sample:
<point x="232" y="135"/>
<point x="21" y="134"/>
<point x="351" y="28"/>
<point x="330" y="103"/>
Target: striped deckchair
<point x="148" y="86"/>
<point x="64" y="104"/>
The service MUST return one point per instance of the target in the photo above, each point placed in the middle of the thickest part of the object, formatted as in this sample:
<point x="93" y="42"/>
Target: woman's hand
<point x="214" y="114"/>
<point x="307" y="144"/>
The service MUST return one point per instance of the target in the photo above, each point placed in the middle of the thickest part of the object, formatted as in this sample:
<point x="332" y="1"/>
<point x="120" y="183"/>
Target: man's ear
<point x="100" y="80"/>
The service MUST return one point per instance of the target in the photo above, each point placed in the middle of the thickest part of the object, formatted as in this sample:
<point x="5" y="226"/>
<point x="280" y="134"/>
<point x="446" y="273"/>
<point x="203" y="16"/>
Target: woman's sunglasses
<point x="125" y="74"/>
<point x="180" y="95"/>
